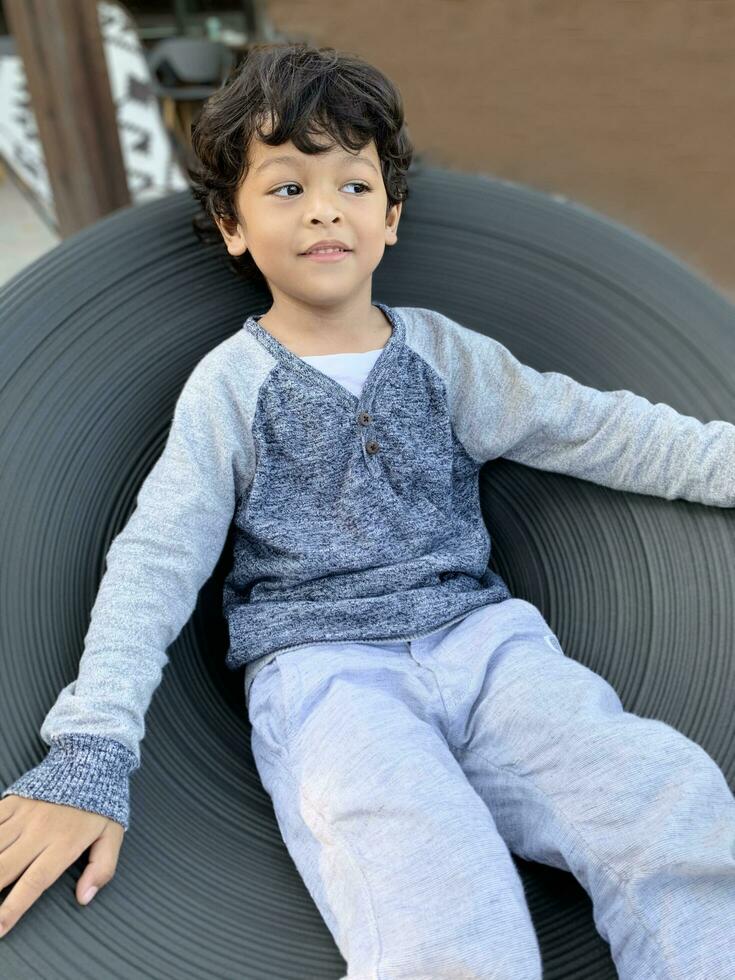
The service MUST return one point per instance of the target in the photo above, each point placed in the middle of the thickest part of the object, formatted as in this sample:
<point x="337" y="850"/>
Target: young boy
<point x="412" y="722"/>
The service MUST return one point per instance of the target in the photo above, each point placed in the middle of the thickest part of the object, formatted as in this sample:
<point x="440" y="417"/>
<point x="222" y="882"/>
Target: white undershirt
<point x="349" y="370"/>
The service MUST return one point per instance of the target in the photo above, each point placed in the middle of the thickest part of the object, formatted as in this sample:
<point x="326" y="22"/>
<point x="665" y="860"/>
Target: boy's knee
<point x="521" y="964"/>
<point x="504" y="950"/>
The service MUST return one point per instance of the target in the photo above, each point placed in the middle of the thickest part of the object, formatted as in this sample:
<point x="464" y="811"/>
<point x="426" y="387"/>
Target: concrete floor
<point x="24" y="235"/>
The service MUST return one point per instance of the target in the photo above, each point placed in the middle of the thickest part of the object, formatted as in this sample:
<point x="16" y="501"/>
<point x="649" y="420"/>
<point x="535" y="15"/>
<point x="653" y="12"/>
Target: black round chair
<point x="96" y="341"/>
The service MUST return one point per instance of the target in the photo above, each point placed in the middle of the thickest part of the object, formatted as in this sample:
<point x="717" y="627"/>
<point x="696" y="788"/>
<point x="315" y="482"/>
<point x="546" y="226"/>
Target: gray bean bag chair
<point x="96" y="341"/>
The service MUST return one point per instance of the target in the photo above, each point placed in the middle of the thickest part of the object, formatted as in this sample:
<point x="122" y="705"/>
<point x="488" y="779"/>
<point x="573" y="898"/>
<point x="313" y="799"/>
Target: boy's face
<point x="286" y="207"/>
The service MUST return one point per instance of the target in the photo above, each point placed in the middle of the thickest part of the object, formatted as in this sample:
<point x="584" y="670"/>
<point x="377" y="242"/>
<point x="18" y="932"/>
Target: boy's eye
<point x="355" y="183"/>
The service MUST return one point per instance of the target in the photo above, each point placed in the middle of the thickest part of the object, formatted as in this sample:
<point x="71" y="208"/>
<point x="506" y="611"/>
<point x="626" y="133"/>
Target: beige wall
<point x="625" y="106"/>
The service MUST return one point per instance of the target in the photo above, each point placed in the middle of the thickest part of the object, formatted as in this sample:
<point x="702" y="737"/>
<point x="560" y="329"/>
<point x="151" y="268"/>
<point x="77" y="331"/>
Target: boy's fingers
<point x="42" y="872"/>
<point x="27" y="888"/>
<point x="103" y="856"/>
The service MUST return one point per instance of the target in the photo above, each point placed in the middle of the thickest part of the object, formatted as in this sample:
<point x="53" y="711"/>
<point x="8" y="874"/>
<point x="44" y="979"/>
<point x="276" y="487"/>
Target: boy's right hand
<point x="40" y="840"/>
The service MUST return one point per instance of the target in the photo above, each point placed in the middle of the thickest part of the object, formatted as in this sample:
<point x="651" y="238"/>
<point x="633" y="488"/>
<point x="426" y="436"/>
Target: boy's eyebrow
<point x="289" y="158"/>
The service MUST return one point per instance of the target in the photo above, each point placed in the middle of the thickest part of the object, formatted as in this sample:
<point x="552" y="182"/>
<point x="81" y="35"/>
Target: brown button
<point x="364" y="419"/>
<point x="372" y="447"/>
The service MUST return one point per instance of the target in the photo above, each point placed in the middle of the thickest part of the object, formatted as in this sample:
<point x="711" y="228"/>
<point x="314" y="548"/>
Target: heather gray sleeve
<point x="549" y="421"/>
<point x="154" y="569"/>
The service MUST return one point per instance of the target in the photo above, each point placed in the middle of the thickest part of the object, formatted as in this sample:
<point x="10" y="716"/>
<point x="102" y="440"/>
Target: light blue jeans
<point x="404" y="773"/>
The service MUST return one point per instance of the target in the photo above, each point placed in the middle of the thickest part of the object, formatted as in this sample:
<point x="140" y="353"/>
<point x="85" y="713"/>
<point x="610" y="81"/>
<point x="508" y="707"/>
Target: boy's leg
<point x="640" y="814"/>
<point x="400" y="855"/>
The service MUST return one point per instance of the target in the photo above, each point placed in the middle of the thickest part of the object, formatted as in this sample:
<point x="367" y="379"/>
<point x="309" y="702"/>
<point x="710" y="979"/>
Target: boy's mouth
<point x="319" y="251"/>
<point x="327" y="245"/>
<point x="327" y="255"/>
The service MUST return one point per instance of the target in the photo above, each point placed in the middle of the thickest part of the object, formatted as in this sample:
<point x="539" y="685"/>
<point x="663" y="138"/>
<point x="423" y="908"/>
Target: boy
<point x="412" y="722"/>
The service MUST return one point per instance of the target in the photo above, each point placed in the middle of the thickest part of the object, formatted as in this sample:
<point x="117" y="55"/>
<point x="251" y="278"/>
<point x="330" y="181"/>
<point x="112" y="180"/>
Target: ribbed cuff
<point x="89" y="772"/>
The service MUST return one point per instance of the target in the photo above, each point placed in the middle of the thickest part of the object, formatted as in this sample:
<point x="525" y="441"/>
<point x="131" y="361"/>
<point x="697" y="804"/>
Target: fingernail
<point x="89" y="895"/>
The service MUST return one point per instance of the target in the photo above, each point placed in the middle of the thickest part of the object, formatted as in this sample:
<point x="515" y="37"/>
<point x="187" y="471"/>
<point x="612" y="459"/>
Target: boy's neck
<point x="328" y="338"/>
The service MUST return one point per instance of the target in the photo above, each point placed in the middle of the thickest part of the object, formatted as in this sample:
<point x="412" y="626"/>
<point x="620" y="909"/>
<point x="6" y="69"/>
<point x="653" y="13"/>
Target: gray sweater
<point x="354" y="518"/>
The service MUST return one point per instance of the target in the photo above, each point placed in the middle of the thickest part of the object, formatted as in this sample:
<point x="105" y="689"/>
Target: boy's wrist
<point x="86" y="771"/>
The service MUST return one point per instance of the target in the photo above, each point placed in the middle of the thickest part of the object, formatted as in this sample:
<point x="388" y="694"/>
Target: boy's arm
<point x="618" y="439"/>
<point x="155" y="568"/>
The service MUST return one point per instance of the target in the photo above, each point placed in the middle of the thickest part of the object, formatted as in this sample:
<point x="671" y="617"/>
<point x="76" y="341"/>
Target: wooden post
<point x="64" y="61"/>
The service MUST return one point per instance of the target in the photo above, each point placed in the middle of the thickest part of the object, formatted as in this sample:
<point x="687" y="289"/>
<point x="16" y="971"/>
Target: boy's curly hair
<point x="304" y="91"/>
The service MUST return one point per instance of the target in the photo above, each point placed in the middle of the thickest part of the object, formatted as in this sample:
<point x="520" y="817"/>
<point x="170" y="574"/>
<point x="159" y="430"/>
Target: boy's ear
<point x="232" y="234"/>
<point x="391" y="223"/>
